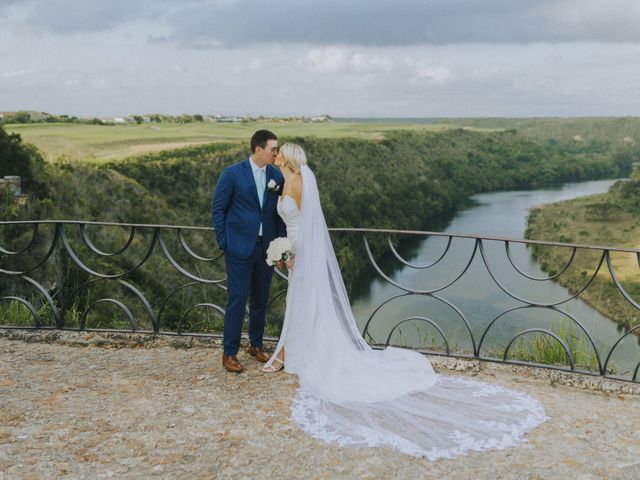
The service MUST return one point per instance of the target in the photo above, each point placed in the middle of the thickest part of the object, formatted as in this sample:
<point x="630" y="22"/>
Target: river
<point x="475" y="294"/>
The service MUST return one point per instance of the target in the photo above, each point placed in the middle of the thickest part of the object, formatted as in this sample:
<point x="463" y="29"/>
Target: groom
<point x="245" y="219"/>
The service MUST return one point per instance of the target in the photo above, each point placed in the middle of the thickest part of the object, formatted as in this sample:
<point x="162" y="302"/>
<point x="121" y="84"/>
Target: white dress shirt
<point x="257" y="171"/>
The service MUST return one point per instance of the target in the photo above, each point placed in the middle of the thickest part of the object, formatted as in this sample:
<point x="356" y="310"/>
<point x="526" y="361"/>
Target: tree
<point x="22" y="117"/>
<point x="23" y="160"/>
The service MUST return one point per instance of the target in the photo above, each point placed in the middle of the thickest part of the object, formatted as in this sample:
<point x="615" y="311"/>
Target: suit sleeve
<point x="222" y="196"/>
<point x="281" y="227"/>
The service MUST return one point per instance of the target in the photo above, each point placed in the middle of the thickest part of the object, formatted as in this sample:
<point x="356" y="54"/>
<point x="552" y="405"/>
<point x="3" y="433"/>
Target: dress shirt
<point x="260" y="177"/>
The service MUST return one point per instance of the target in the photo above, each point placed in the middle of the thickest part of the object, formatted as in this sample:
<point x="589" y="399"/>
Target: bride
<point x="350" y="394"/>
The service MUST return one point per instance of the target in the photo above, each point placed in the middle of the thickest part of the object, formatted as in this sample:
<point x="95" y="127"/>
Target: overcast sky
<point x="382" y="58"/>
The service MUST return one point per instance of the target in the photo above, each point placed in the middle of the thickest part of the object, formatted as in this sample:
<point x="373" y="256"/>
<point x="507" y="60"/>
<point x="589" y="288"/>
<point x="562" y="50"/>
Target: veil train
<point x="351" y="394"/>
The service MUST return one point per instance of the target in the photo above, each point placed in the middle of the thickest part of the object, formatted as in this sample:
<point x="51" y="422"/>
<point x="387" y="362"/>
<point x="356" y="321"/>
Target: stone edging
<point x="468" y="366"/>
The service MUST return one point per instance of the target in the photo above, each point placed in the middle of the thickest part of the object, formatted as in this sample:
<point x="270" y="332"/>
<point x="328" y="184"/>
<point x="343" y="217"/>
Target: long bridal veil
<point x="352" y="394"/>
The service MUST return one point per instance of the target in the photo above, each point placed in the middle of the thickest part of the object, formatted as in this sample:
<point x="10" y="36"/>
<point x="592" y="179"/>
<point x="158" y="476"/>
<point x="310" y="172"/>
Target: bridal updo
<point x="294" y="155"/>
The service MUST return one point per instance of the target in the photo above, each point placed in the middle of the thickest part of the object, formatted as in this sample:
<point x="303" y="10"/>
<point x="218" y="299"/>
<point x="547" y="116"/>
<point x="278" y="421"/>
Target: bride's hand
<point x="289" y="263"/>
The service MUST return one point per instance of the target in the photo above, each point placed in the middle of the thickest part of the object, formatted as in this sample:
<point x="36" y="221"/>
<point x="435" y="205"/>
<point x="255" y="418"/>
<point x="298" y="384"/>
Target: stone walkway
<point x="131" y="408"/>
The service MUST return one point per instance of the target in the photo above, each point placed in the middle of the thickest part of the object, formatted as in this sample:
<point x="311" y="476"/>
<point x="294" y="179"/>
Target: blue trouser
<point x="246" y="278"/>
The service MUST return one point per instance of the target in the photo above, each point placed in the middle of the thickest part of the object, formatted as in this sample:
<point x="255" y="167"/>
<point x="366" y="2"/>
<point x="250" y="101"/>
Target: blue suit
<point x="236" y="215"/>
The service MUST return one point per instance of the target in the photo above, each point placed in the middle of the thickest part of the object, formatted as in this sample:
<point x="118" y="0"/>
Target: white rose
<point x="273" y="185"/>
<point x="280" y="249"/>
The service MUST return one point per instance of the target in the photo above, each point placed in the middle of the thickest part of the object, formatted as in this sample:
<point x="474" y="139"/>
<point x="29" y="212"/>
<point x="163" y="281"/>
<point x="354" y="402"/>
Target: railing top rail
<point x="346" y="230"/>
<point x="483" y="237"/>
<point x="106" y="224"/>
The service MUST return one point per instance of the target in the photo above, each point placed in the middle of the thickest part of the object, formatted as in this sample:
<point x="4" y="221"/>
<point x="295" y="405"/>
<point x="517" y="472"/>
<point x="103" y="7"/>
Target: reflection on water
<point x="475" y="296"/>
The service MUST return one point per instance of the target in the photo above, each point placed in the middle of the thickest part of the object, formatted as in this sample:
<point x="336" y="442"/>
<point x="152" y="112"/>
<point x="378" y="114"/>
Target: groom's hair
<point x="260" y="139"/>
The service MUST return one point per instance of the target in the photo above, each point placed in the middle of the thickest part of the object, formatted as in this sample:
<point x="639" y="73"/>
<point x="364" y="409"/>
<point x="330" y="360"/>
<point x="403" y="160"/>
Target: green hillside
<point x="405" y="180"/>
<point x="609" y="219"/>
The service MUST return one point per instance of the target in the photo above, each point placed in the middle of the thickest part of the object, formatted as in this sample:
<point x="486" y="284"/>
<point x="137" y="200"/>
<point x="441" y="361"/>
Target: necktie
<point x="260" y="185"/>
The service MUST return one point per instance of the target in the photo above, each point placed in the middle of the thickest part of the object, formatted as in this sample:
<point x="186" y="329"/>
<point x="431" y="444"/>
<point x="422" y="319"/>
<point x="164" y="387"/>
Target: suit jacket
<point x="236" y="213"/>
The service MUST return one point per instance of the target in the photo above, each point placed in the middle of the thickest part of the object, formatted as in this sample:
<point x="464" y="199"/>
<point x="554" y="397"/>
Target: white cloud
<point x="15" y="73"/>
<point x="211" y="24"/>
<point x="99" y="83"/>
<point x="435" y="75"/>
<point x="256" y="65"/>
<point x="445" y="58"/>
<point x="340" y="60"/>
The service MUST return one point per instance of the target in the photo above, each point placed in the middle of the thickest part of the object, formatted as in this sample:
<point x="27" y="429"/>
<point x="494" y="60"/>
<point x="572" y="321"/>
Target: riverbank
<point x="592" y="220"/>
<point x="165" y="412"/>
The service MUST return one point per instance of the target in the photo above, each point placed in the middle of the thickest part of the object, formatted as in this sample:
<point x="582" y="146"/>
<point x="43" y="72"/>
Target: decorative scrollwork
<point x="419" y="267"/>
<point x="574" y="320"/>
<point x="544" y="331"/>
<point x="123" y="307"/>
<point x="89" y="243"/>
<point x="52" y="248"/>
<point x="177" y="266"/>
<point x="539" y="279"/>
<point x="506" y="290"/>
<point x="26" y="303"/>
<point x="34" y="237"/>
<point x="212" y="306"/>
<point x="419" y="319"/>
<point x="619" y="286"/>
<point x="83" y="266"/>
<point x="55" y="283"/>
<point x="409" y="289"/>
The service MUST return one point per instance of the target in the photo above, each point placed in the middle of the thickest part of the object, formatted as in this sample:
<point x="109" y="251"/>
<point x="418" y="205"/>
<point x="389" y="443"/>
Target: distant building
<point x="230" y="119"/>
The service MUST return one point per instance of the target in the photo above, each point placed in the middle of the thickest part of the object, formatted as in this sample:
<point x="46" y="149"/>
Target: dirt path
<point x="166" y="412"/>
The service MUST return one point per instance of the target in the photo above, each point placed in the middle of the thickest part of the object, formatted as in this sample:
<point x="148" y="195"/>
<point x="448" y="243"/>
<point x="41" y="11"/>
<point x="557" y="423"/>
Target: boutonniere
<point x="273" y="186"/>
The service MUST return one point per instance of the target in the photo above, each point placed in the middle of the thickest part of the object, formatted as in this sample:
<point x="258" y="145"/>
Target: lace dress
<point x="350" y="394"/>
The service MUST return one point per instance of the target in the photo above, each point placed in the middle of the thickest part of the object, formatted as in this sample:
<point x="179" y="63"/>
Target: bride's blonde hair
<point x="295" y="156"/>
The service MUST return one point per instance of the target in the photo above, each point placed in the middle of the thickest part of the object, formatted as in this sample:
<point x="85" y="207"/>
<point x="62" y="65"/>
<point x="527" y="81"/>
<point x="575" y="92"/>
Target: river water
<point x="475" y="294"/>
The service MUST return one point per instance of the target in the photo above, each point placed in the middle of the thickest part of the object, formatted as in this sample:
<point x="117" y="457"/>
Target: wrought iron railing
<point x="459" y="295"/>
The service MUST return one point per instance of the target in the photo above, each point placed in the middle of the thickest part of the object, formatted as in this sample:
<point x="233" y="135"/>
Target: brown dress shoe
<point x="259" y="353"/>
<point x="231" y="363"/>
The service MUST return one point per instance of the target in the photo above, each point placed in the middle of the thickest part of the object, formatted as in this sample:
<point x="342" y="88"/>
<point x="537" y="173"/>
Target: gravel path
<point x="157" y="411"/>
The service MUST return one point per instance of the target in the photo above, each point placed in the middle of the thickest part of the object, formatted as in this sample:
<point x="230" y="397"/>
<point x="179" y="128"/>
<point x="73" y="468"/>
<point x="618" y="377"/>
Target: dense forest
<point x="408" y="180"/>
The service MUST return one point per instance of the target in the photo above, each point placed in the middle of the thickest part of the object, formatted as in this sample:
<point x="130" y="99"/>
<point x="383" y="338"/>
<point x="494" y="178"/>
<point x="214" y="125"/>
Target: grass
<point x="101" y="142"/>
<point x="573" y="221"/>
<point x="200" y="320"/>
<point x="539" y="348"/>
<point x="75" y="142"/>
<point x="16" y="314"/>
<point x="545" y="350"/>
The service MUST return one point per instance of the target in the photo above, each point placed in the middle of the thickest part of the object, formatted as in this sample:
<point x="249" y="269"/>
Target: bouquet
<point x="280" y="249"/>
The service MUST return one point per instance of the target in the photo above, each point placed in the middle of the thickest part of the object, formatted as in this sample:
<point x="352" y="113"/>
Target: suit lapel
<point x="248" y="176"/>
<point x="269" y="176"/>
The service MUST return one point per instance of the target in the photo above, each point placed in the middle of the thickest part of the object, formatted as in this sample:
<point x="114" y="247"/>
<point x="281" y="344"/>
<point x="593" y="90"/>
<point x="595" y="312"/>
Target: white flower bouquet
<point x="280" y="249"/>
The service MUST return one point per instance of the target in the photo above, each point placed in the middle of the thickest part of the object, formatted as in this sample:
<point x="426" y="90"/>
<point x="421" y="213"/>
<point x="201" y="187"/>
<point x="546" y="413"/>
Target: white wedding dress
<point x="351" y="394"/>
